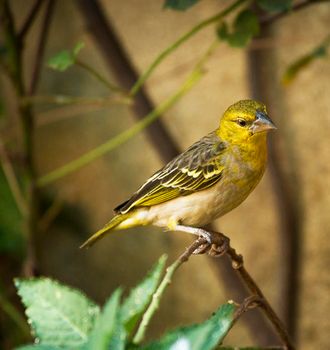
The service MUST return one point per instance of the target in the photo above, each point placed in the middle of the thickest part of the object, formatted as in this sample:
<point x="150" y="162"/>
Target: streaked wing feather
<point x="196" y="169"/>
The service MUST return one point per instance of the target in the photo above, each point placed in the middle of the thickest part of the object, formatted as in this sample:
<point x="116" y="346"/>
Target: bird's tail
<point x="112" y="224"/>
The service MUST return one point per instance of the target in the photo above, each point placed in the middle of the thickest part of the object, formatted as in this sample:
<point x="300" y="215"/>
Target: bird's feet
<point x="219" y="245"/>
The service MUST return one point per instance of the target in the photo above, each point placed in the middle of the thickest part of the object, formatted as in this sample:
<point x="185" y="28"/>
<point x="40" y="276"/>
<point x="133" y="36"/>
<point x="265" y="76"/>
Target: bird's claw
<point x="219" y="246"/>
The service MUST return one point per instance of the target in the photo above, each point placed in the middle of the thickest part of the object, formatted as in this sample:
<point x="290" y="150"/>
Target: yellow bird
<point x="209" y="179"/>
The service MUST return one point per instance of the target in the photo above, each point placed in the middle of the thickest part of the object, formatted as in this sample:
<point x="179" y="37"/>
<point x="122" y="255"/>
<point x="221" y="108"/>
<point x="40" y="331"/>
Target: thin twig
<point x="41" y="46"/>
<point x="11" y="311"/>
<point x="268" y="19"/>
<point x="78" y="100"/>
<point x="99" y="77"/>
<point x="237" y="264"/>
<point x="12" y="180"/>
<point x="216" y="18"/>
<point x="152" y="308"/>
<point x="122" y="137"/>
<point x="122" y="68"/>
<point x="30" y="19"/>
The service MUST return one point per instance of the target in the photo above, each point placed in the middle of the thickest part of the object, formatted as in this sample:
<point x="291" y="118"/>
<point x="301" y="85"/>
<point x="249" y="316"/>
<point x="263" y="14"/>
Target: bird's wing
<point x="196" y="169"/>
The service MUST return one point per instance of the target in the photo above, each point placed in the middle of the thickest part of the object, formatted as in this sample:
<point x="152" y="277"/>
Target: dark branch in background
<point x="119" y="64"/>
<point x="268" y="19"/>
<point x="30" y="19"/>
<point x="262" y="87"/>
<point x="41" y="46"/>
<point x="14" y="69"/>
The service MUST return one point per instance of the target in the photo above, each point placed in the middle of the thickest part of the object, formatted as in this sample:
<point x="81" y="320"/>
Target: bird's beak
<point x="262" y="123"/>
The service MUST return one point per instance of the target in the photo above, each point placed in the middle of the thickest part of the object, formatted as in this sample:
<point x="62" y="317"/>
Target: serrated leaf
<point x="303" y="62"/>
<point x="245" y="27"/>
<point x="65" y="59"/>
<point x="106" y="324"/>
<point x="275" y="5"/>
<point x="58" y="315"/>
<point x="180" y="5"/>
<point x="139" y="298"/>
<point x="203" y="336"/>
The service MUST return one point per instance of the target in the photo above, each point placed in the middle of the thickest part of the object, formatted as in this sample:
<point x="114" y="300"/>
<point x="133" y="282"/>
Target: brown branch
<point x="220" y="246"/>
<point x="41" y="47"/>
<point x="269" y="19"/>
<point x="30" y="19"/>
<point x="261" y="78"/>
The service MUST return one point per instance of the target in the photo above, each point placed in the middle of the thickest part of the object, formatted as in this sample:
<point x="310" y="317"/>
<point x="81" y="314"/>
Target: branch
<point x="99" y="77"/>
<point x="30" y="19"/>
<point x="152" y="308"/>
<point x="268" y="19"/>
<point x="12" y="180"/>
<point x="41" y="46"/>
<point x="11" y="311"/>
<point x="124" y="136"/>
<point x="123" y="70"/>
<point x="221" y="245"/>
<point x="216" y="18"/>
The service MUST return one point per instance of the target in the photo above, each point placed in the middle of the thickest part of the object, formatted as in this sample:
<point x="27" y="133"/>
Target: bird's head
<point x="244" y="121"/>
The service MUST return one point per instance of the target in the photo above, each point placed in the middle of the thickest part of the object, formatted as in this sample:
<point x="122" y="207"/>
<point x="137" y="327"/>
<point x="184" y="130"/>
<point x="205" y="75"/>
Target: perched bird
<point x="209" y="179"/>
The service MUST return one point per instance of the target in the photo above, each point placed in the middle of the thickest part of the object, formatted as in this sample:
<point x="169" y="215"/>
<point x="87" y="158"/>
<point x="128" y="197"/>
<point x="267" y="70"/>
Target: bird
<point x="210" y="178"/>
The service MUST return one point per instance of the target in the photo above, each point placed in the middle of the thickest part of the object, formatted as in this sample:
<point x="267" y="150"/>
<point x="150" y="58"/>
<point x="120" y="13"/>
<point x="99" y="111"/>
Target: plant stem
<point x="12" y="180"/>
<point x="122" y="137"/>
<point x="137" y="86"/>
<point x="11" y="311"/>
<point x="98" y="76"/>
<point x="152" y="308"/>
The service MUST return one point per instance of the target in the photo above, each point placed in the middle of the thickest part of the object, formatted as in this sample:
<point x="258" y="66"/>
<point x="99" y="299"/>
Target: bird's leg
<point x="195" y="231"/>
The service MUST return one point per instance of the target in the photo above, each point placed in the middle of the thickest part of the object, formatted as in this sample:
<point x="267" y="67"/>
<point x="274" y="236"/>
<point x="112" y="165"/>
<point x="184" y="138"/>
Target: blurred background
<point x="49" y="118"/>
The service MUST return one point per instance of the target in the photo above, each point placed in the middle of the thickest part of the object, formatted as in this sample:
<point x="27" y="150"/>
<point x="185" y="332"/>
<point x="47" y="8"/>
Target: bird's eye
<point x="241" y="122"/>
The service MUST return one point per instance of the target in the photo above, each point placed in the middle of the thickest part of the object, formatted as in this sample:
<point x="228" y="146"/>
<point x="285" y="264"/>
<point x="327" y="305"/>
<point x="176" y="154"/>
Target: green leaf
<point x="245" y="27"/>
<point x="11" y="238"/>
<point x="58" y="315"/>
<point x="275" y="5"/>
<point x="180" y="5"/>
<point x="65" y="59"/>
<point x="303" y="62"/>
<point x="204" y="336"/>
<point x="106" y="324"/>
<point x="139" y="298"/>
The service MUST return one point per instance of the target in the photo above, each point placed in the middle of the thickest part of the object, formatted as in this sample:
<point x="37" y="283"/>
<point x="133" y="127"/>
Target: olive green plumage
<point x="210" y="178"/>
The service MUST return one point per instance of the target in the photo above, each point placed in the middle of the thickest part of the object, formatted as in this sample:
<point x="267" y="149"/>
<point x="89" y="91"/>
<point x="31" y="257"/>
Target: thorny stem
<point x="137" y="86"/>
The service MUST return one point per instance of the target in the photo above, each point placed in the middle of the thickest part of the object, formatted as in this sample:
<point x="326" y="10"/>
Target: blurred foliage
<point x="275" y="5"/>
<point x="244" y="28"/>
<point x="65" y="59"/>
<point x="64" y="318"/>
<point x="180" y="5"/>
<point x="321" y="51"/>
